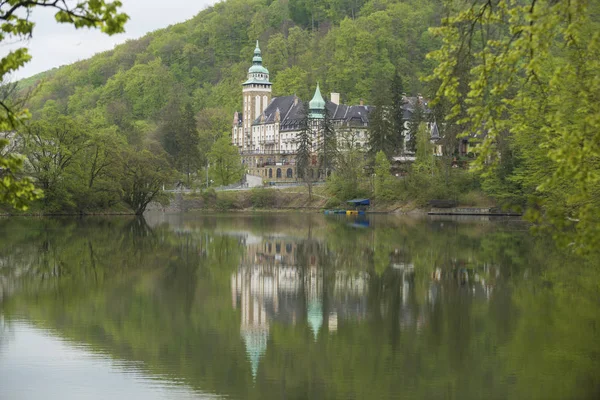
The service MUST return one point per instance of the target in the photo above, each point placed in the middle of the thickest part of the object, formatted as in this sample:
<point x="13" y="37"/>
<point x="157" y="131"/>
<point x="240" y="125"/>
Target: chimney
<point x="335" y="98"/>
<point x="236" y="118"/>
<point x="295" y="100"/>
<point x="362" y="103"/>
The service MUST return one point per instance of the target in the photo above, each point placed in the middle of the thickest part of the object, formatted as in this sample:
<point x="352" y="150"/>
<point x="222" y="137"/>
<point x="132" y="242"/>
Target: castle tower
<point x="257" y="96"/>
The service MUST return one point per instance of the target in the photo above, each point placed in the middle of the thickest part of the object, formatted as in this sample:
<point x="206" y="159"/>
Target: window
<point x="270" y="173"/>
<point x="279" y="172"/>
<point x="290" y="173"/>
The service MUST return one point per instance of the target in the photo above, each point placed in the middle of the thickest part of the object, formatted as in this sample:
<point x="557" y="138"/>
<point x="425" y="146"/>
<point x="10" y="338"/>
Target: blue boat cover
<point x="360" y="202"/>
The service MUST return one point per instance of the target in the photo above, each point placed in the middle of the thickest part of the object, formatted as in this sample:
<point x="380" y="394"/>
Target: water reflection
<point x="305" y="306"/>
<point x="283" y="280"/>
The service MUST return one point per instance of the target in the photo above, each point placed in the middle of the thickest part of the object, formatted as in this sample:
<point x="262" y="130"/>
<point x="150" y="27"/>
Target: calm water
<point x="293" y="306"/>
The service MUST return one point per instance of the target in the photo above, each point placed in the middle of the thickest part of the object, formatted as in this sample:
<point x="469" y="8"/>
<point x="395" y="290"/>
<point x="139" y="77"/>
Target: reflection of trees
<point x="351" y="313"/>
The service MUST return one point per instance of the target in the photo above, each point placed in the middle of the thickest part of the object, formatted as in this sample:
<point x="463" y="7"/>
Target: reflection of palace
<point x="280" y="280"/>
<point x="270" y="285"/>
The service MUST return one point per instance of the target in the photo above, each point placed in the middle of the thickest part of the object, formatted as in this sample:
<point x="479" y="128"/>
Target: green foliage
<point x="304" y="145"/>
<point x="144" y="175"/>
<point x="15" y="190"/>
<point x="18" y="190"/>
<point x="414" y="127"/>
<point x="382" y="137"/>
<point x="329" y="149"/>
<point x="523" y="76"/>
<point x="206" y="58"/>
<point x="385" y="184"/>
<point x="349" y="178"/>
<point x="425" y="158"/>
<point x="262" y="198"/>
<point x="226" y="167"/>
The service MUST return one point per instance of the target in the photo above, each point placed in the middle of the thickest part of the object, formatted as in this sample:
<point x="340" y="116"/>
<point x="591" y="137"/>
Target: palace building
<point x="265" y="131"/>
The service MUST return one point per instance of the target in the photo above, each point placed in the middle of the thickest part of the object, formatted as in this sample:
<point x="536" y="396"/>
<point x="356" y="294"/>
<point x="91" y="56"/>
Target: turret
<point x="317" y="105"/>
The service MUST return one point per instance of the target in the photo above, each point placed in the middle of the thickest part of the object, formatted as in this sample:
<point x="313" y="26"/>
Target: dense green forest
<point x="345" y="45"/>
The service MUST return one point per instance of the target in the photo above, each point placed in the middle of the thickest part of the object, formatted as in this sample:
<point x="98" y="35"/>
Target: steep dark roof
<point x="291" y="114"/>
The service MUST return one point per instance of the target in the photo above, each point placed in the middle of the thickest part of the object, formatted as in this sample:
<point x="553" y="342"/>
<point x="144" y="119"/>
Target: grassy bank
<point x="297" y="198"/>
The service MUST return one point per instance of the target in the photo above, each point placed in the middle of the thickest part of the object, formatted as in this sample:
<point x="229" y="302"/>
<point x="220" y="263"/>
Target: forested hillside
<point x="113" y="130"/>
<point x="346" y="45"/>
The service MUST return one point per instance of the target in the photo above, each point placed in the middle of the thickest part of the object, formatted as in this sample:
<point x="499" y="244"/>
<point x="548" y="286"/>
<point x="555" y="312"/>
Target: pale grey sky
<point x="54" y="45"/>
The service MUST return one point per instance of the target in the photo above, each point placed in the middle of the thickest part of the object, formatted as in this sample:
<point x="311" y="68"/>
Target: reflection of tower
<point x="260" y="289"/>
<point x="314" y="294"/>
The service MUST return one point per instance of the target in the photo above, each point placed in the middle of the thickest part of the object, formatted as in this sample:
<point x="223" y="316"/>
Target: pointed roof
<point x="256" y="347"/>
<point x="257" y="73"/>
<point x="315" y="316"/>
<point x="257" y="54"/>
<point x="317" y="102"/>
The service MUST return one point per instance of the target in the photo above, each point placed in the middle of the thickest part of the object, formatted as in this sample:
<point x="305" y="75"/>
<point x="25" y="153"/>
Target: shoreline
<point x="318" y="210"/>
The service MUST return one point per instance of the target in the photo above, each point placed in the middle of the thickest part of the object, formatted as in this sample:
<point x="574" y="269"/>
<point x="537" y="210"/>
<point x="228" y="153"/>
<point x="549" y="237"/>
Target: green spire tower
<point x="256" y="93"/>
<point x="317" y="105"/>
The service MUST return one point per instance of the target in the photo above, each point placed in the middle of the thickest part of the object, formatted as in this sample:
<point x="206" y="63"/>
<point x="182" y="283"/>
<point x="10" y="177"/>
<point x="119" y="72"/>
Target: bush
<point x="209" y="197"/>
<point x="422" y="186"/>
<point x="262" y="198"/>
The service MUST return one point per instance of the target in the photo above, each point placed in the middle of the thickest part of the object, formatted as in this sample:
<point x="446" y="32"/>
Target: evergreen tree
<point x="170" y="126"/>
<point x="381" y="136"/>
<point x="188" y="140"/>
<point x="397" y="112"/>
<point x="303" y="152"/>
<point x="417" y="118"/>
<point x="328" y="149"/>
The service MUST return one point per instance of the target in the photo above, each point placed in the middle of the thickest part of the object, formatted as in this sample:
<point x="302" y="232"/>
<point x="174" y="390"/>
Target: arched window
<point x="290" y="173"/>
<point x="270" y="173"/>
<point x="279" y="172"/>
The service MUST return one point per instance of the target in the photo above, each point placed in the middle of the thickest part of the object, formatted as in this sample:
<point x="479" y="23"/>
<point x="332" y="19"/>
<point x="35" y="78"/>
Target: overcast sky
<point x="54" y="45"/>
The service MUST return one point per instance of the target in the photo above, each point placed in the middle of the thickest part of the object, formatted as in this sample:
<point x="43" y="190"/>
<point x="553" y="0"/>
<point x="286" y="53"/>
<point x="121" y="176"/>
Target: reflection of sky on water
<point x="35" y="364"/>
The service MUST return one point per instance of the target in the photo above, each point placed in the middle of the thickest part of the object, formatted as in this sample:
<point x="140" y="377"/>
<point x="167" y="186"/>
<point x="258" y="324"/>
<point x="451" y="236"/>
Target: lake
<point x="296" y="306"/>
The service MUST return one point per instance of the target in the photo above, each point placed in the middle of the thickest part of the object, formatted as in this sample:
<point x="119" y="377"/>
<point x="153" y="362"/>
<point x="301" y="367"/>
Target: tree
<point x="54" y="146"/>
<point x="16" y="25"/>
<point x="414" y="125"/>
<point x="424" y="148"/>
<point x="144" y="175"/>
<point x="397" y="111"/>
<point x="226" y="166"/>
<point x="381" y="130"/>
<point x="15" y="190"/>
<point x="328" y="149"/>
<point x="348" y="179"/>
<point x="533" y="85"/>
<point x="212" y="123"/>
<point x="384" y="181"/>
<point x="188" y="141"/>
<point x="170" y="126"/>
<point x="304" y="150"/>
